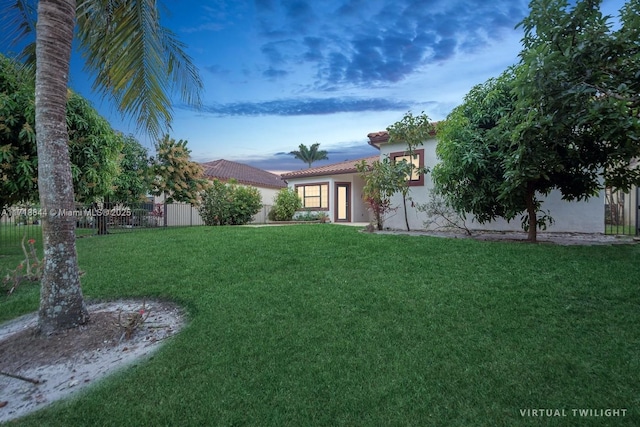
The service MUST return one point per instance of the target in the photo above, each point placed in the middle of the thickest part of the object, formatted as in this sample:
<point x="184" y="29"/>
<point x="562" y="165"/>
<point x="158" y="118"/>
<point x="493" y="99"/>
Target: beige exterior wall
<point x="357" y="208"/>
<point x="579" y="217"/>
<point x="181" y="214"/>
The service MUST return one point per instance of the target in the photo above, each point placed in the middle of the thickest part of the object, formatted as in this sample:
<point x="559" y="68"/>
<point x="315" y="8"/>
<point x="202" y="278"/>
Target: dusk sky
<point x="279" y="73"/>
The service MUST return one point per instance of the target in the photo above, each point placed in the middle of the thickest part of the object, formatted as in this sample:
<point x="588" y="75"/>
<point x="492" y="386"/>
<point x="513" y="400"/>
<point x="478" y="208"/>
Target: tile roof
<point x="348" y="166"/>
<point x="225" y="170"/>
<point x="380" y="137"/>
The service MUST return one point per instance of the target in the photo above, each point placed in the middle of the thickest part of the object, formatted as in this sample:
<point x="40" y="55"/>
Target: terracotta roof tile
<point x="380" y="137"/>
<point x="348" y="166"/>
<point x="225" y="170"/>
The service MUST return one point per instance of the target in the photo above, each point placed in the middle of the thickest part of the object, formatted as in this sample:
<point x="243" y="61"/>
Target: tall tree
<point x="94" y="149"/>
<point x="18" y="156"/>
<point x="565" y="118"/>
<point x="133" y="182"/>
<point x="310" y="154"/>
<point x="174" y="174"/>
<point x="474" y="152"/>
<point x="578" y="92"/>
<point x="134" y="59"/>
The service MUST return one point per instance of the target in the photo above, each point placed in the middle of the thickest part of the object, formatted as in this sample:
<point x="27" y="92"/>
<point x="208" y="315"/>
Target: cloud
<point x="282" y="161"/>
<point x="273" y="74"/>
<point x="215" y="16"/>
<point x="302" y="106"/>
<point x="373" y="43"/>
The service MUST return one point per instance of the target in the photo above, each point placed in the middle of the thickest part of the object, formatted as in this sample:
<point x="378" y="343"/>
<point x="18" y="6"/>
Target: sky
<point x="280" y="73"/>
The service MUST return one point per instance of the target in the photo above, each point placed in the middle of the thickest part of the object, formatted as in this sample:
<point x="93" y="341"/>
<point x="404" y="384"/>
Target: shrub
<point x="229" y="204"/>
<point x="285" y="205"/>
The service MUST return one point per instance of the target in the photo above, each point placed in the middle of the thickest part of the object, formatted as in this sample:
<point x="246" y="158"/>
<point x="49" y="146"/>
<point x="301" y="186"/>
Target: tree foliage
<point x="18" y="156"/>
<point x="578" y="92"/>
<point x="94" y="148"/>
<point x="309" y="154"/>
<point x="174" y="174"/>
<point x="386" y="177"/>
<point x="382" y="179"/>
<point x="411" y="131"/>
<point x="472" y="149"/>
<point x="566" y="118"/>
<point x="133" y="182"/>
<point x="285" y="205"/>
<point x="229" y="203"/>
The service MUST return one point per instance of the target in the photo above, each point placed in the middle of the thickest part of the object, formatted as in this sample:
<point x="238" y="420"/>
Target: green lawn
<point x="323" y="325"/>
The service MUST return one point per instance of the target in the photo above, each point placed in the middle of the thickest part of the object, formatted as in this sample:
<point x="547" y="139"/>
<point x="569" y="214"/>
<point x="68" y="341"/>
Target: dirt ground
<point x="38" y="370"/>
<point x="565" y="239"/>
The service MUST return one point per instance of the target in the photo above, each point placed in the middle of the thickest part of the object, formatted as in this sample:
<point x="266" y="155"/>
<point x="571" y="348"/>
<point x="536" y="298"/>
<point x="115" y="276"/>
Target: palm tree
<point x="311" y="154"/>
<point x="135" y="61"/>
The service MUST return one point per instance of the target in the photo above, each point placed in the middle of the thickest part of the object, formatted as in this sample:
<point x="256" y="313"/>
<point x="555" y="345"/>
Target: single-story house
<point x="224" y="170"/>
<point x="334" y="189"/>
<point x="337" y="190"/>
<point x="266" y="182"/>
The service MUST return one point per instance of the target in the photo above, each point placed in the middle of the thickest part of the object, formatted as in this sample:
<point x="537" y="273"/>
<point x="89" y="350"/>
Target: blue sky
<point x="278" y="73"/>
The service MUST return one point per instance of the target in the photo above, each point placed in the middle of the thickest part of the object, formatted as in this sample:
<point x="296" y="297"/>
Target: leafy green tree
<point x="309" y="154"/>
<point x="93" y="146"/>
<point x="133" y="182"/>
<point x="411" y="131"/>
<point x="578" y="94"/>
<point x="229" y="203"/>
<point x="564" y="118"/>
<point x="472" y="149"/>
<point x="94" y="150"/>
<point x="135" y="60"/>
<point x="386" y="177"/>
<point x="285" y="205"/>
<point x="18" y="155"/>
<point x="174" y="175"/>
<point x="383" y="178"/>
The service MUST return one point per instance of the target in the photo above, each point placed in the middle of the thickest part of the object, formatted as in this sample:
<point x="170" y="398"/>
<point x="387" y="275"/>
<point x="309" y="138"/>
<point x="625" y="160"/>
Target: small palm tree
<point x="311" y="154"/>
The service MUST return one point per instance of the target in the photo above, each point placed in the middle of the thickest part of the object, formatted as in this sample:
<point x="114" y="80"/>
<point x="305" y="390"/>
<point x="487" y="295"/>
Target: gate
<point x="621" y="212"/>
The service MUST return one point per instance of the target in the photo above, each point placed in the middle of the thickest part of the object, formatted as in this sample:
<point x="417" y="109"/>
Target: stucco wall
<point x="358" y="209"/>
<point x="180" y="214"/>
<point x="580" y="217"/>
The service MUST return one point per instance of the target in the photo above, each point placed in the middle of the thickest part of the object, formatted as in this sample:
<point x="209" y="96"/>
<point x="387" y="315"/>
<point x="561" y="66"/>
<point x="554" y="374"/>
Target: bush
<point x="285" y="205"/>
<point x="229" y="204"/>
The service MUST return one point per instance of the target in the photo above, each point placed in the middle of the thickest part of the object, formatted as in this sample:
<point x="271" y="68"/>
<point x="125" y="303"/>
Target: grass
<point x="323" y="325"/>
<point x="629" y="230"/>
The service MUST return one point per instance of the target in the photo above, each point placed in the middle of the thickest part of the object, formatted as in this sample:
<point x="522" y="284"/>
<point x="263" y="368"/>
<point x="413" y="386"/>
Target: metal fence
<point x="621" y="212"/>
<point x="23" y="221"/>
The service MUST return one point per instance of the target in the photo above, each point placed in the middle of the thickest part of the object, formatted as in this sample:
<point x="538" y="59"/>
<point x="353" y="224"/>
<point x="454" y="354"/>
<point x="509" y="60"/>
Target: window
<point x="314" y="196"/>
<point x="417" y="159"/>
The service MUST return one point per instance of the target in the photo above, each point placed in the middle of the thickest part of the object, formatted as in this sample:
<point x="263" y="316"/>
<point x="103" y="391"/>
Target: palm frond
<point x="137" y="62"/>
<point x="18" y="23"/>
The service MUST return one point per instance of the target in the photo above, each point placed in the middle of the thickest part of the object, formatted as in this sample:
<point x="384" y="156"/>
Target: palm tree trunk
<point x="61" y="302"/>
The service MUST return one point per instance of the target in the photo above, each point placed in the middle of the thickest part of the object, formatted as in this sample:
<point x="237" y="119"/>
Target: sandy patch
<point x="36" y="371"/>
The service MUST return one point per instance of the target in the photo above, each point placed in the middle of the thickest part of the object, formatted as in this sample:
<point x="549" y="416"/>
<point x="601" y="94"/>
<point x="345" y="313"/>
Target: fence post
<point x="164" y="217"/>
<point x="637" y="211"/>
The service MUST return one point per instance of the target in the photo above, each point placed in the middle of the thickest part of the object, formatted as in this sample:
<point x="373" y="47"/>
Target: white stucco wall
<point x="358" y="209"/>
<point x="180" y="214"/>
<point x="579" y="217"/>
